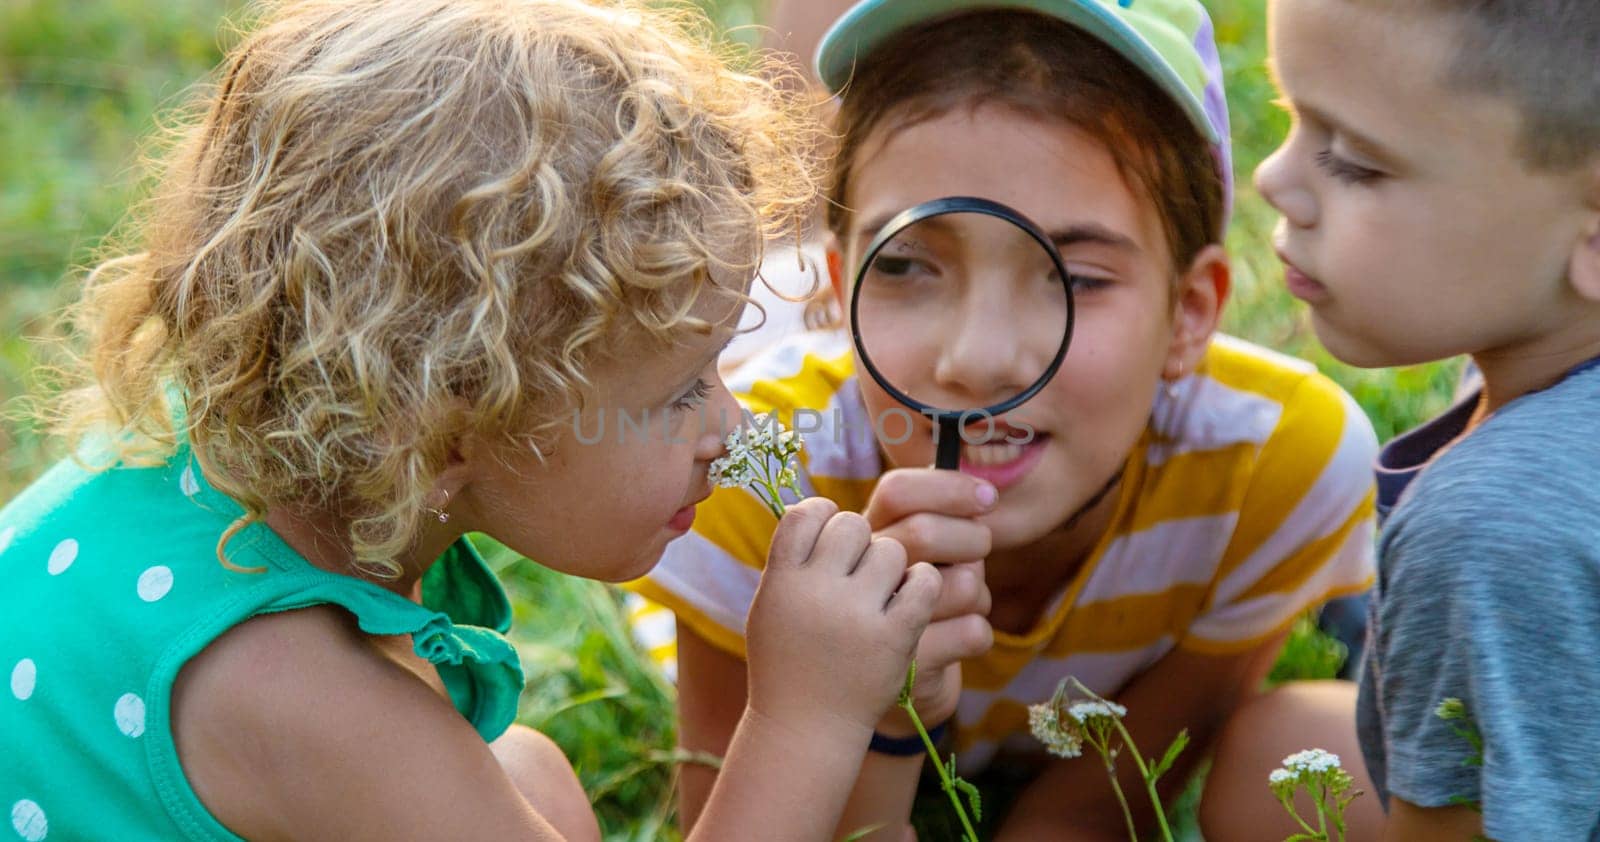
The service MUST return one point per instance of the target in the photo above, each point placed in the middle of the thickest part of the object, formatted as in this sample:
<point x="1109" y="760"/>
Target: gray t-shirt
<point x="1489" y="591"/>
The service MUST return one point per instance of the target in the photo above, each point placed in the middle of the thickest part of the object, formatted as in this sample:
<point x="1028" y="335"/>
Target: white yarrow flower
<point x="1280" y="776"/>
<point x="760" y="457"/>
<point x="1086" y="711"/>
<point x="1312" y="760"/>
<point x="1047" y="728"/>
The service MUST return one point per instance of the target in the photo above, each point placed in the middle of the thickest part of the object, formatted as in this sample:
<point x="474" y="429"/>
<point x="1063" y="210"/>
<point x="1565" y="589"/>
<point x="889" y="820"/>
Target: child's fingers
<point x="906" y="491"/>
<point x="946" y="642"/>
<point x="913" y="602"/>
<point x="964" y="591"/>
<point x="941" y="539"/>
<point x="796" y="536"/>
<point x="839" y="547"/>
<point x="882" y="568"/>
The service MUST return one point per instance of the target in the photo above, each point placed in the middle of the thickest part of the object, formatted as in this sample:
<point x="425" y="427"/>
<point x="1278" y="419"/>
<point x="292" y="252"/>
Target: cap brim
<point x="867" y="25"/>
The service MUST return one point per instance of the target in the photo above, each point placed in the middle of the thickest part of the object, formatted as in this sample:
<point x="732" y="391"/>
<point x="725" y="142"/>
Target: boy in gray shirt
<point x="1440" y="192"/>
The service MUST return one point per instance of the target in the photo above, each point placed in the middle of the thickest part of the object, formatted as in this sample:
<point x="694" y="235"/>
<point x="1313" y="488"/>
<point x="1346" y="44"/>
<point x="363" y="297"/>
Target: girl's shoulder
<point x="1263" y="434"/>
<point x="1243" y="394"/>
<point x="805" y="370"/>
<point x="283" y="715"/>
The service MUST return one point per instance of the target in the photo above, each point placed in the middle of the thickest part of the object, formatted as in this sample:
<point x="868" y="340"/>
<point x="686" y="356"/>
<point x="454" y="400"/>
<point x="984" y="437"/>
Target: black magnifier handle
<point x="948" y="457"/>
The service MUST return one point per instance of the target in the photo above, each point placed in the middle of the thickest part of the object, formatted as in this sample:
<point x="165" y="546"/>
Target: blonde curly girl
<point x="397" y="223"/>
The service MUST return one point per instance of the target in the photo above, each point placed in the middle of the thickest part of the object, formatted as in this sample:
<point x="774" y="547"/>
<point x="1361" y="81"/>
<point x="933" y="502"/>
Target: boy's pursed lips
<point x="1301" y="285"/>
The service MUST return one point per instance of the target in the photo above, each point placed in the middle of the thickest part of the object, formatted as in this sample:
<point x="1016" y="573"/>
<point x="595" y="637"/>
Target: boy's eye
<point x="694" y="397"/>
<point x="1345" y="171"/>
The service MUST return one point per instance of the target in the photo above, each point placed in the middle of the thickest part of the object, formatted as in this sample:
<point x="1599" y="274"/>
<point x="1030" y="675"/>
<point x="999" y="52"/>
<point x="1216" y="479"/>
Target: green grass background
<point x="81" y="84"/>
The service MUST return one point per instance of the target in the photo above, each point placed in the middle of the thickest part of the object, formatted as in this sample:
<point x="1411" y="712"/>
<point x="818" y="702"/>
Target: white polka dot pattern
<point x="129" y="714"/>
<point x="28" y="820"/>
<point x="187" y="483"/>
<point x="154" y="583"/>
<point x="23" y="676"/>
<point x="63" y="556"/>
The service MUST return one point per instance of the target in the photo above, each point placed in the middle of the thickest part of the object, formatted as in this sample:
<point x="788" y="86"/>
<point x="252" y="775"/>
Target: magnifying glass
<point x="962" y="310"/>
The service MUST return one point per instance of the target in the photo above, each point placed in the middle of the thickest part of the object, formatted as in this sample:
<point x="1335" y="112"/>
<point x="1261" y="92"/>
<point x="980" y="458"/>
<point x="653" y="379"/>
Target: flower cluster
<point x="1312" y="760"/>
<point x="760" y="457"/>
<point x="1044" y="720"/>
<point x="1096" y="722"/>
<point x="1329" y="785"/>
<point x="1086" y="712"/>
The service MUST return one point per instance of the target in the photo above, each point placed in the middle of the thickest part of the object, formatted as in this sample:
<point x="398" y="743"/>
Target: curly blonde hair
<point x="396" y="222"/>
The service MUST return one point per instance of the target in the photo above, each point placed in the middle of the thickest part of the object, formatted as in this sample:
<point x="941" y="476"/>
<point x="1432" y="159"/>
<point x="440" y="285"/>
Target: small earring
<point x="440" y="513"/>
<point x="1171" y="386"/>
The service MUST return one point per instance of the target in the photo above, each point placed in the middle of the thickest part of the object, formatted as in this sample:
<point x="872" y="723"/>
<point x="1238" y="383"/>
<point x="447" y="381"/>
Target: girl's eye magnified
<point x="1087" y="283"/>
<point x="891" y="265"/>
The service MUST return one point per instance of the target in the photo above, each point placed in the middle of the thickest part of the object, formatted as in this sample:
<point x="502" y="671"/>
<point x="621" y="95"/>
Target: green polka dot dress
<point x="111" y="583"/>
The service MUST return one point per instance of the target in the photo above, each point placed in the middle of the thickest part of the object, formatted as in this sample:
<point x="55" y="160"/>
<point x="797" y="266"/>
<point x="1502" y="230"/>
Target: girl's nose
<point x="720" y="415"/>
<point x="1279" y="180"/>
<point x="983" y="359"/>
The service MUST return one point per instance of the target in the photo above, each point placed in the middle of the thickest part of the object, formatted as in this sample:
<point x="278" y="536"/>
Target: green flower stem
<point x="1149" y="781"/>
<point x="1116" y="786"/>
<point x="1288" y="804"/>
<point x="1322" y="810"/>
<point x="945" y="781"/>
<point x="774" y="502"/>
<point x="770" y="489"/>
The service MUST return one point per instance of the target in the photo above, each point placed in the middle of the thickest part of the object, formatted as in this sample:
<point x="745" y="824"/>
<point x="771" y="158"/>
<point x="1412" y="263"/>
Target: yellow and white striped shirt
<point x="1248" y="500"/>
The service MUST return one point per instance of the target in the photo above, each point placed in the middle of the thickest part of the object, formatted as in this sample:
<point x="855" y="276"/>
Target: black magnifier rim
<point x="941" y="207"/>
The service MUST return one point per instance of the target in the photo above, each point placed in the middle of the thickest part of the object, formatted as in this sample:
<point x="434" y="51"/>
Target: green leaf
<point x="863" y="833"/>
<point x="1178" y="744"/>
<point x="973" y="798"/>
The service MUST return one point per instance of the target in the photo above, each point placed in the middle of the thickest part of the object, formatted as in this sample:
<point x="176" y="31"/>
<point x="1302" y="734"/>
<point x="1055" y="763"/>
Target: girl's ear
<point x="1197" y="302"/>
<point x="463" y="462"/>
<point x="836" y="278"/>
<point x="459" y="469"/>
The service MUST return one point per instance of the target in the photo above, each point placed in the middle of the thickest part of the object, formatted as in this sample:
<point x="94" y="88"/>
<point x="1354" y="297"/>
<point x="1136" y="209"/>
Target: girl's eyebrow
<point x="1093" y="233"/>
<point x="705" y="361"/>
<point x="870" y="230"/>
<point x="1074" y="234"/>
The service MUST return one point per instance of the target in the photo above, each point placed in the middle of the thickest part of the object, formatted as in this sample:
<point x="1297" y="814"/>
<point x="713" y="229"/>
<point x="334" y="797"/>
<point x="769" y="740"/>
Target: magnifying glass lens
<point x="962" y="311"/>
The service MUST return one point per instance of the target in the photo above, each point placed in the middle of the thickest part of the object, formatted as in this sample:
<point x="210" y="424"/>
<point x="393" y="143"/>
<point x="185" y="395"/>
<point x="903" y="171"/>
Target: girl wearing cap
<point x="1185" y="496"/>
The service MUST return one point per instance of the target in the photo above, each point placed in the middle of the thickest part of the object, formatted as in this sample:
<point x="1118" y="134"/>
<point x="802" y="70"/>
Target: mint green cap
<point x="1172" y="41"/>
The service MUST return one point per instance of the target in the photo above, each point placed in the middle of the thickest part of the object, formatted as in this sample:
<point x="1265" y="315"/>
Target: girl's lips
<point x="1004" y="474"/>
<point x="1301" y="285"/>
<point x="682" y="520"/>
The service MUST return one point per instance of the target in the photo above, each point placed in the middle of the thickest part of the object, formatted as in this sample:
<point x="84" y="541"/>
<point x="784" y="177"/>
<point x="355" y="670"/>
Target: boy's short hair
<point x="398" y="222"/>
<point x="1542" y="56"/>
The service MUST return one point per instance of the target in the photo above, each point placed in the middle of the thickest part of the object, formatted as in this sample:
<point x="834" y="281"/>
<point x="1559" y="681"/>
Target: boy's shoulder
<point x="1520" y="486"/>
<point x="1532" y="462"/>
